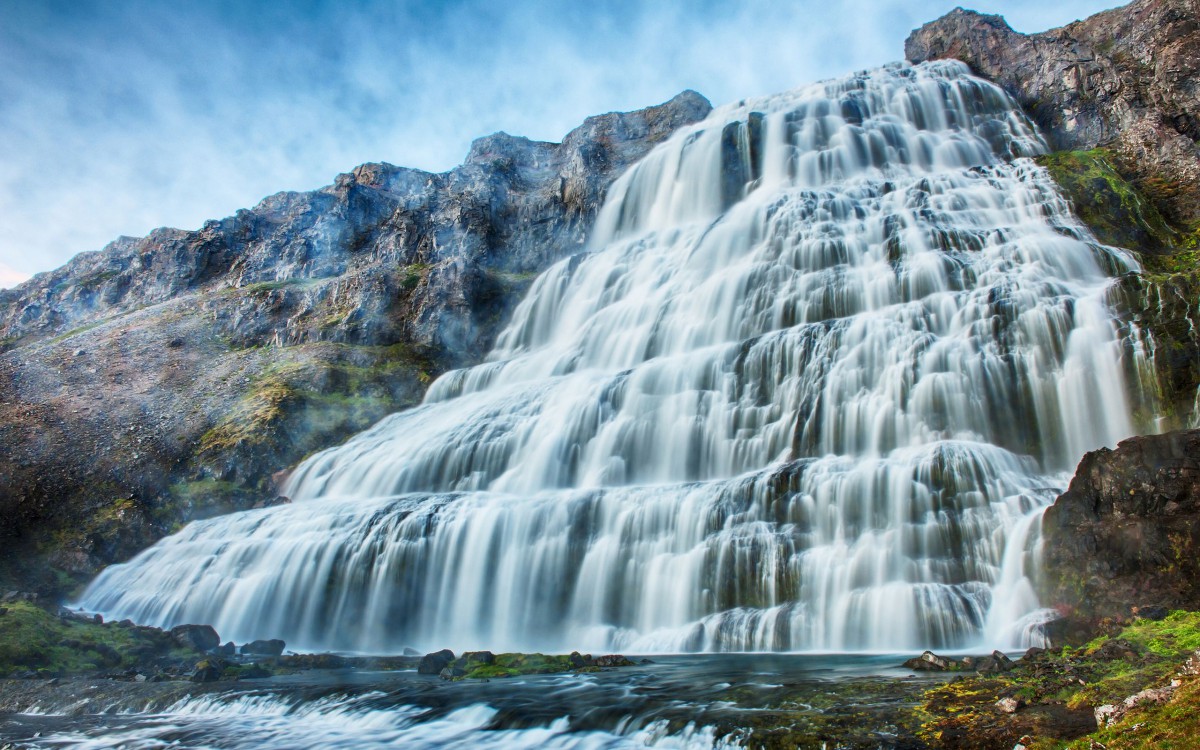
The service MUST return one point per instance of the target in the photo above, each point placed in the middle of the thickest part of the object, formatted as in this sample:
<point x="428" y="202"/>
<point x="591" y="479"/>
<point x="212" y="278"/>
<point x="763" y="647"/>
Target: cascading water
<point x="825" y="362"/>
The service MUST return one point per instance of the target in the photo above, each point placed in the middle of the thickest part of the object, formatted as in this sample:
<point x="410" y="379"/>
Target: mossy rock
<point x="34" y="640"/>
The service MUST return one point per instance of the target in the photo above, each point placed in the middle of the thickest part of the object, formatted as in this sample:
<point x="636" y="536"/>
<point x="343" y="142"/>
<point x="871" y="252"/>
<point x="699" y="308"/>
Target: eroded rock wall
<point x="168" y="377"/>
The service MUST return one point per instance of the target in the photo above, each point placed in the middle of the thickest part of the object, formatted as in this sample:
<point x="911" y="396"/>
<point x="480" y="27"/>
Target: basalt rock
<point x="1127" y="530"/>
<point x="1127" y="78"/>
<point x="197" y="637"/>
<point x="168" y="377"/>
<point x="272" y="647"/>
<point x="435" y="662"/>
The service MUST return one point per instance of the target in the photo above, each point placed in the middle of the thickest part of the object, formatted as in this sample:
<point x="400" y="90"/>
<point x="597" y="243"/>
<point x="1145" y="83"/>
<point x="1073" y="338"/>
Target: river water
<point x="685" y="701"/>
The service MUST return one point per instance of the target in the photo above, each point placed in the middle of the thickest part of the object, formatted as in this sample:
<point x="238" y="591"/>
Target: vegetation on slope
<point x="1049" y="699"/>
<point x="1163" y="301"/>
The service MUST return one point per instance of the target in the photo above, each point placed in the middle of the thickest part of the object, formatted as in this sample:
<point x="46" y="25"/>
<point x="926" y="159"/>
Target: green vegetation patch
<point x="1117" y="212"/>
<point x="1058" y="691"/>
<point x="33" y="640"/>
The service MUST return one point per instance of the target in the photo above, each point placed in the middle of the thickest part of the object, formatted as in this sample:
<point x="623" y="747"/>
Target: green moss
<point x="413" y="275"/>
<point x="1117" y="212"/>
<point x="1140" y="655"/>
<point x="492" y="671"/>
<point x="32" y="639"/>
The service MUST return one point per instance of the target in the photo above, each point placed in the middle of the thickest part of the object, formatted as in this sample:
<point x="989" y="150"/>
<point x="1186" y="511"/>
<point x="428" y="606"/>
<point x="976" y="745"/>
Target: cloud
<point x="116" y="118"/>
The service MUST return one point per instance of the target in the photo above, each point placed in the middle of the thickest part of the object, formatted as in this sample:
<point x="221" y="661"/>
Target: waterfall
<point x="827" y="357"/>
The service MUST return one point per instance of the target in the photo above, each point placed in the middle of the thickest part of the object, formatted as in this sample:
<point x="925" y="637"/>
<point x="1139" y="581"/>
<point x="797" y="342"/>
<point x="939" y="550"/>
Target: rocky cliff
<point x="168" y="377"/>
<point x="1128" y="79"/>
<point x="1117" y="96"/>
<point x="1127" y="531"/>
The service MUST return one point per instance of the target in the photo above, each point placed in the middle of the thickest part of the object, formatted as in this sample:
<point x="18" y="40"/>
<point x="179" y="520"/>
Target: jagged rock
<point x="1127" y="78"/>
<point x="612" y="660"/>
<point x="1111" y="713"/>
<point x="366" y="289"/>
<point x="272" y="647"/>
<point x="209" y="670"/>
<point x="1009" y="705"/>
<point x="453" y="671"/>
<point x="1155" y="613"/>
<point x="996" y="662"/>
<point x="435" y="662"/>
<point x="229" y="649"/>
<point x="1127" y="529"/>
<point x="579" y="660"/>
<point x="930" y="662"/>
<point x="198" y="637"/>
<point x="478" y="658"/>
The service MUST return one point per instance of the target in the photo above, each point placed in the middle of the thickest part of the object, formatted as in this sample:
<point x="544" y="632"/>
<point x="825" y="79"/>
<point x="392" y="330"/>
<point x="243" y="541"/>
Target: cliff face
<point x="1128" y="79"/>
<point x="168" y="377"/>
<point x="1118" y="97"/>
<point x="1127" y="531"/>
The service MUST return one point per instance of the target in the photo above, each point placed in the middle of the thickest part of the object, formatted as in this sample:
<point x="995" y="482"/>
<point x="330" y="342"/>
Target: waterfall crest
<point x="826" y="359"/>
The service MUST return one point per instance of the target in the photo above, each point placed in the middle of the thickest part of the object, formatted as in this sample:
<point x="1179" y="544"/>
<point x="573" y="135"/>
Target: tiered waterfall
<point x="828" y="356"/>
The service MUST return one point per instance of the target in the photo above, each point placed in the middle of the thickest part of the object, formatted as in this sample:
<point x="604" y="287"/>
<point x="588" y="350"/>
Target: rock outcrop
<point x="1127" y="531"/>
<point x="1117" y="96"/>
<point x="169" y="377"/>
<point x="1127" y="78"/>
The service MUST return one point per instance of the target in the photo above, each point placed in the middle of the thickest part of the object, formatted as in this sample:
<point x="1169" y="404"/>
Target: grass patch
<point x="1071" y="682"/>
<point x="33" y="640"/>
<point x="1117" y="212"/>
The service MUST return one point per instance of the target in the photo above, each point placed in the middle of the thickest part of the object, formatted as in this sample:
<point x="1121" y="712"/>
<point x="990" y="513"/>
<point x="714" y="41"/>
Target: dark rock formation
<point x="434" y="663"/>
<point x="1127" y="531"/>
<point x="1127" y="78"/>
<point x="272" y="647"/>
<point x="197" y="637"/>
<point x="168" y="377"/>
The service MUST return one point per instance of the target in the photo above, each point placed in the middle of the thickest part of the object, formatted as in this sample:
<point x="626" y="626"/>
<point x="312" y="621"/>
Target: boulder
<point x="472" y="659"/>
<point x="272" y="647"/>
<point x="197" y="637"/>
<point x="208" y="670"/>
<point x="613" y="660"/>
<point x="930" y="662"/>
<point x="453" y="671"/>
<point x="435" y="662"/>
<point x="1126" y="530"/>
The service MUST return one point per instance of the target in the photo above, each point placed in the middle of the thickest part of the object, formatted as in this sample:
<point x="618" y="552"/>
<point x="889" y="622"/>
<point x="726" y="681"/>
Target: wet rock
<point x="1127" y="529"/>
<point x="613" y="660"/>
<point x="478" y="658"/>
<point x="579" y="660"/>
<point x="435" y="662"/>
<point x="272" y="647"/>
<point x="229" y="649"/>
<point x="453" y="671"/>
<point x="208" y="670"/>
<point x="996" y="662"/>
<point x="197" y="637"/>
<point x="930" y="662"/>
<point x="411" y="651"/>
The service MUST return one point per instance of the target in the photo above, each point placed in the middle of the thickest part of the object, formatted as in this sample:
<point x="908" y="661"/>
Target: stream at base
<point x="687" y="701"/>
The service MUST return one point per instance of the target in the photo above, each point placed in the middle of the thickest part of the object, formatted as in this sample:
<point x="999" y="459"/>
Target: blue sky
<point x="119" y="117"/>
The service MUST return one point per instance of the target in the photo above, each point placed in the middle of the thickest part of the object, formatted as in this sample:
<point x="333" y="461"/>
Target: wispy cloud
<point x="118" y="118"/>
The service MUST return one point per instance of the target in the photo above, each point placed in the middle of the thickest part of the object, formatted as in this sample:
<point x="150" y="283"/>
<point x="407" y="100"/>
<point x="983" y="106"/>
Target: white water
<point x="363" y="722"/>
<point x="825" y="362"/>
